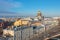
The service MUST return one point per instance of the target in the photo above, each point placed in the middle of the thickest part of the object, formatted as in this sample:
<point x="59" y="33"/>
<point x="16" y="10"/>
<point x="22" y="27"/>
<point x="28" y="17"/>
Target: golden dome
<point x="39" y="13"/>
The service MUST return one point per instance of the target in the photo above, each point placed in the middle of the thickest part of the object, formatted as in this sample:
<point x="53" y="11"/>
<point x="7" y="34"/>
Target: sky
<point x="49" y="8"/>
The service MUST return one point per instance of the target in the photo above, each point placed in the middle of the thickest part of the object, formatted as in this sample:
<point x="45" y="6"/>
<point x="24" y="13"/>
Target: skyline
<point x="48" y="8"/>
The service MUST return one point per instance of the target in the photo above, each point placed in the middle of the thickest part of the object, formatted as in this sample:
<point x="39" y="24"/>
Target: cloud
<point x="7" y="5"/>
<point x="5" y="12"/>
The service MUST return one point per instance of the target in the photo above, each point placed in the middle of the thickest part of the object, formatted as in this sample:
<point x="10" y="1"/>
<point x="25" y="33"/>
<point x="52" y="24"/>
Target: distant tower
<point x="39" y="14"/>
<point x="40" y="17"/>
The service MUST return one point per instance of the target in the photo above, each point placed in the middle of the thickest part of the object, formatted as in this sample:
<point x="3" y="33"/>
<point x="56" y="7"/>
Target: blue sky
<point x="48" y="8"/>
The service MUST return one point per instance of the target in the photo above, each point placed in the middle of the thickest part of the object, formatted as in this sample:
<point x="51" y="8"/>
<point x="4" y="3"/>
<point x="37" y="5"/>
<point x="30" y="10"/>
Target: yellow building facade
<point x="21" y="22"/>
